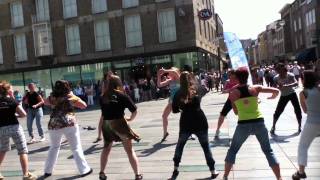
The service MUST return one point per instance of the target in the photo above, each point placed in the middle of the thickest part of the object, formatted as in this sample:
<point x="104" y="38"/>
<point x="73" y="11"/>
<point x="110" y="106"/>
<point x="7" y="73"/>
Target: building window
<point x="297" y="43"/>
<point x="299" y="22"/>
<point x="20" y="47"/>
<point x="313" y="12"/>
<point x="130" y="3"/>
<point x="301" y="40"/>
<point x="133" y="30"/>
<point x="42" y="10"/>
<point x="1" y="55"/>
<point x="200" y="28"/>
<point x="99" y="6"/>
<point x="16" y="14"/>
<point x="102" y="35"/>
<point x="167" y="26"/>
<point x="69" y="8"/>
<point x="307" y="19"/>
<point x="73" y="40"/>
<point x="295" y="25"/>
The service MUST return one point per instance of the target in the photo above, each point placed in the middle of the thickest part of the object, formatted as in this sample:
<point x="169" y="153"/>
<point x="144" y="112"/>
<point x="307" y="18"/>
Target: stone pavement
<point x="156" y="158"/>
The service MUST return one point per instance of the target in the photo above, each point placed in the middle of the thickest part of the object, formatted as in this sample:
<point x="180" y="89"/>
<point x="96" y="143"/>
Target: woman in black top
<point x="192" y="121"/>
<point x="10" y="128"/>
<point x="113" y="103"/>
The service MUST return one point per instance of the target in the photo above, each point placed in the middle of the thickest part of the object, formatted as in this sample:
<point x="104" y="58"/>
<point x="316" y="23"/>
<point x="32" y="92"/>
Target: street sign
<point x="205" y="14"/>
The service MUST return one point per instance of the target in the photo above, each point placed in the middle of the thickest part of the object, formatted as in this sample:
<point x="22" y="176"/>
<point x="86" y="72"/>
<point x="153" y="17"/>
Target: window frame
<point x="21" y="49"/>
<point x="137" y="44"/>
<point x="46" y="10"/>
<point x="97" y="11"/>
<point x="13" y="21"/>
<point x="68" y="50"/>
<point x="108" y="43"/>
<point x="73" y="4"/>
<point x="163" y="39"/>
<point x="134" y="4"/>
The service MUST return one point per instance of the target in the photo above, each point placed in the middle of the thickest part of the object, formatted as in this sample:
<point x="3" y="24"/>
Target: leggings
<point x="226" y="108"/>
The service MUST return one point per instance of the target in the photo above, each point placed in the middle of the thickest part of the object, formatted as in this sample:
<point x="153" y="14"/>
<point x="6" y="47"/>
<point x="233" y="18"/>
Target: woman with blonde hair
<point x="173" y="83"/>
<point x="115" y="126"/>
<point x="10" y="111"/>
<point x="63" y="122"/>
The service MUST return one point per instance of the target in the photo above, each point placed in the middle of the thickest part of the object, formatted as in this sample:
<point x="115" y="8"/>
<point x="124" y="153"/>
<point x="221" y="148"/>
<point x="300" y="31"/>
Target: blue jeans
<point x="204" y="141"/>
<point x="34" y="114"/>
<point x="243" y="131"/>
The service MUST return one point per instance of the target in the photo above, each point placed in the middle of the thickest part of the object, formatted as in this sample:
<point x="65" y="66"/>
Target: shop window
<point x="70" y="73"/>
<point x="16" y="80"/>
<point x="182" y="59"/>
<point x="42" y="80"/>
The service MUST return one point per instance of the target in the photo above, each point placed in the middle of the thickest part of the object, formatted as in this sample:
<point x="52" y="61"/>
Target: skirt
<point x="117" y="130"/>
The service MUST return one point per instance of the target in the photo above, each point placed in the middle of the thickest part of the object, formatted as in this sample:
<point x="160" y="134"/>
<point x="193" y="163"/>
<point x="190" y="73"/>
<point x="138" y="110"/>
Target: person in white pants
<point x="63" y="122"/>
<point x="310" y="102"/>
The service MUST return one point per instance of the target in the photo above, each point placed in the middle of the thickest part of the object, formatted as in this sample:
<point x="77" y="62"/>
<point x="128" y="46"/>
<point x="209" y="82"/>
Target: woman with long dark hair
<point x="192" y="121"/>
<point x="113" y="103"/>
<point x="63" y="122"/>
<point x="244" y="100"/>
<point x="310" y="102"/>
<point x="10" y="128"/>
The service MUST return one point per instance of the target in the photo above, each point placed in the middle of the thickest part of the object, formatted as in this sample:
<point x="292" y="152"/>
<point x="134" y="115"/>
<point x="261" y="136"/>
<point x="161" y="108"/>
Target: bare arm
<point x="273" y="91"/>
<point x="162" y="83"/>
<point x="21" y="112"/>
<point x="303" y="102"/>
<point x="77" y="102"/>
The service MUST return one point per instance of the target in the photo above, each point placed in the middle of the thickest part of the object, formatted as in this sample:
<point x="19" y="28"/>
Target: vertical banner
<point x="237" y="55"/>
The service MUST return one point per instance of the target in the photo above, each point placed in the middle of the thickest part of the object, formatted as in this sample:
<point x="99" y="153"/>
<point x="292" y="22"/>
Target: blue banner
<point x="236" y="53"/>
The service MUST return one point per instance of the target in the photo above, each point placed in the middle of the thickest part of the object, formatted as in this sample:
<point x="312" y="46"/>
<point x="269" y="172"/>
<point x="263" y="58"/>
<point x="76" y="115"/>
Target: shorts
<point x="226" y="108"/>
<point x="16" y="133"/>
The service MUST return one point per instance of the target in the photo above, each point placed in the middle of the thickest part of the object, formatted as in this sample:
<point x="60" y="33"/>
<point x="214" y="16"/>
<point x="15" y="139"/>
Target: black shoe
<point x="215" y="175"/>
<point x="86" y="174"/>
<point x="97" y="140"/>
<point x="139" y="177"/>
<point x="297" y="176"/>
<point x="165" y="137"/>
<point x="272" y="131"/>
<point x="47" y="175"/>
<point x="102" y="176"/>
<point x="174" y="175"/>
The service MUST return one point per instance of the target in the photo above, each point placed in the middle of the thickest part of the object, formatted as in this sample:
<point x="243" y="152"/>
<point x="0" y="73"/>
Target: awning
<point x="306" y="55"/>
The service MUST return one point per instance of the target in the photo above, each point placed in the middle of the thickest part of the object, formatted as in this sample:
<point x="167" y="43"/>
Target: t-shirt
<point x="289" y="79"/>
<point x="296" y="70"/>
<point x="7" y="112"/>
<point x="32" y="99"/>
<point x="114" y="107"/>
<point x="313" y="103"/>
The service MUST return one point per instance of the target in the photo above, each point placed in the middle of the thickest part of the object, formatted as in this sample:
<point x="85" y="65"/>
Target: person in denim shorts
<point x="10" y="128"/>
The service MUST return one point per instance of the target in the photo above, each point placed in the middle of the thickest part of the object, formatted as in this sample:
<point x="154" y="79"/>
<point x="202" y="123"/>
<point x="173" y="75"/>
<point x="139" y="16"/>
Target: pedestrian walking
<point x="115" y="127"/>
<point x="10" y="111"/>
<point x="286" y="82"/>
<point x="173" y="82"/>
<point x="229" y="85"/>
<point x="34" y="103"/>
<point x="244" y="100"/>
<point x="296" y="70"/>
<point x="63" y="122"/>
<point x="310" y="102"/>
<point x="192" y="121"/>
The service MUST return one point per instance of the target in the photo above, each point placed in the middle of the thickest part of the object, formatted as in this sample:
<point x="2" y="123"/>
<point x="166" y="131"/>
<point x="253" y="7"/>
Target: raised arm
<point x="20" y="112"/>
<point x="162" y="83"/>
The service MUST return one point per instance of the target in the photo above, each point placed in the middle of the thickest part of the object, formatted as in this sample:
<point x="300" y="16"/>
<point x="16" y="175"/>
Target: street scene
<point x="160" y="89"/>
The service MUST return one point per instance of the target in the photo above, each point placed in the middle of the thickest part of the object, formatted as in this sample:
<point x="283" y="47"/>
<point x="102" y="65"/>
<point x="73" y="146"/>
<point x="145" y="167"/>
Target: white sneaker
<point x="32" y="140"/>
<point x="42" y="139"/>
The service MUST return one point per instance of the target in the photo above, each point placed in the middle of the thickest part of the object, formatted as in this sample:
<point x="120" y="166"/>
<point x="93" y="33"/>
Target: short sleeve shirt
<point x="7" y="112"/>
<point x="114" y="107"/>
<point x="286" y="91"/>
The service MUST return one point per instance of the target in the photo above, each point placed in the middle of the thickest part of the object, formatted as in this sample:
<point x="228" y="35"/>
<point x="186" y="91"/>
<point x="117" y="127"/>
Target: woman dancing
<point x="173" y="83"/>
<point x="113" y="103"/>
<point x="192" y="121"/>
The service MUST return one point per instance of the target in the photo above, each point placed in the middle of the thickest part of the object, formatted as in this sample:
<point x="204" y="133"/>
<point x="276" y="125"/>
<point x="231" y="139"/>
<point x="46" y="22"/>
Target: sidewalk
<point x="156" y="158"/>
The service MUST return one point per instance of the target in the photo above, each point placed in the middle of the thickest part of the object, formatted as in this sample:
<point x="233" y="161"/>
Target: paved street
<point x="156" y="158"/>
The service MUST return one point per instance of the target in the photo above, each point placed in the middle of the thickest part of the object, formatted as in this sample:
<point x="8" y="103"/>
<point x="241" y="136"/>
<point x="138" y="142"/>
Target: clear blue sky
<point x="248" y="18"/>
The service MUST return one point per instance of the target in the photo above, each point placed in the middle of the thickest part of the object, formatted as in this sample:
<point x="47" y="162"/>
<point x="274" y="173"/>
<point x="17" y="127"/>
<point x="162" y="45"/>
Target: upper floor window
<point x="69" y="8"/>
<point x="73" y="39"/>
<point x="1" y="55"/>
<point x="16" y="14"/>
<point x="295" y="25"/>
<point x="42" y="10"/>
<point x="99" y="6"/>
<point x="299" y="22"/>
<point x="133" y="30"/>
<point x="102" y="35"/>
<point x="20" y="47"/>
<point x="167" y="25"/>
<point x="130" y="3"/>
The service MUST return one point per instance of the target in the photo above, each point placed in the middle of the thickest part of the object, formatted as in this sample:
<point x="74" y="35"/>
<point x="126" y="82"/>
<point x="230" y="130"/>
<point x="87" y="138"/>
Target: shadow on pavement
<point x="220" y="142"/>
<point x="282" y="139"/>
<point x="71" y="177"/>
<point x="91" y="150"/>
<point x="208" y="178"/>
<point x="156" y="147"/>
<point x="43" y="149"/>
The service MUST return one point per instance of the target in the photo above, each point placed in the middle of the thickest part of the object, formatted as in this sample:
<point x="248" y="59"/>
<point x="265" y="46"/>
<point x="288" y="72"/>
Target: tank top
<point x="313" y="103"/>
<point x="247" y="105"/>
<point x="174" y="86"/>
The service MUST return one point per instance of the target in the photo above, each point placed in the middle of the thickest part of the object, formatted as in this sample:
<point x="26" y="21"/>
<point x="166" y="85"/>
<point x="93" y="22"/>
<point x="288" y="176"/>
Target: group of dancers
<point x="185" y="98"/>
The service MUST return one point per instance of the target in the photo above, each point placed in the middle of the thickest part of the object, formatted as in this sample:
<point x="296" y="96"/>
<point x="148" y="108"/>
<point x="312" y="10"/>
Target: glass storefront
<point x="129" y="70"/>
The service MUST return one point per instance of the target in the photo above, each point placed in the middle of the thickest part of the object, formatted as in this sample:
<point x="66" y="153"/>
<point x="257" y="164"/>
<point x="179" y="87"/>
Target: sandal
<point x="97" y="140"/>
<point x="139" y="177"/>
<point x="102" y="176"/>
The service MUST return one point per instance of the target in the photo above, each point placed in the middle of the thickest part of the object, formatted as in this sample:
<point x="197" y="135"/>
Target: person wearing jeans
<point x="309" y="100"/>
<point x="63" y="122"/>
<point x="192" y="121"/>
<point x="34" y="103"/>
<point x="286" y="82"/>
<point x="244" y="101"/>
